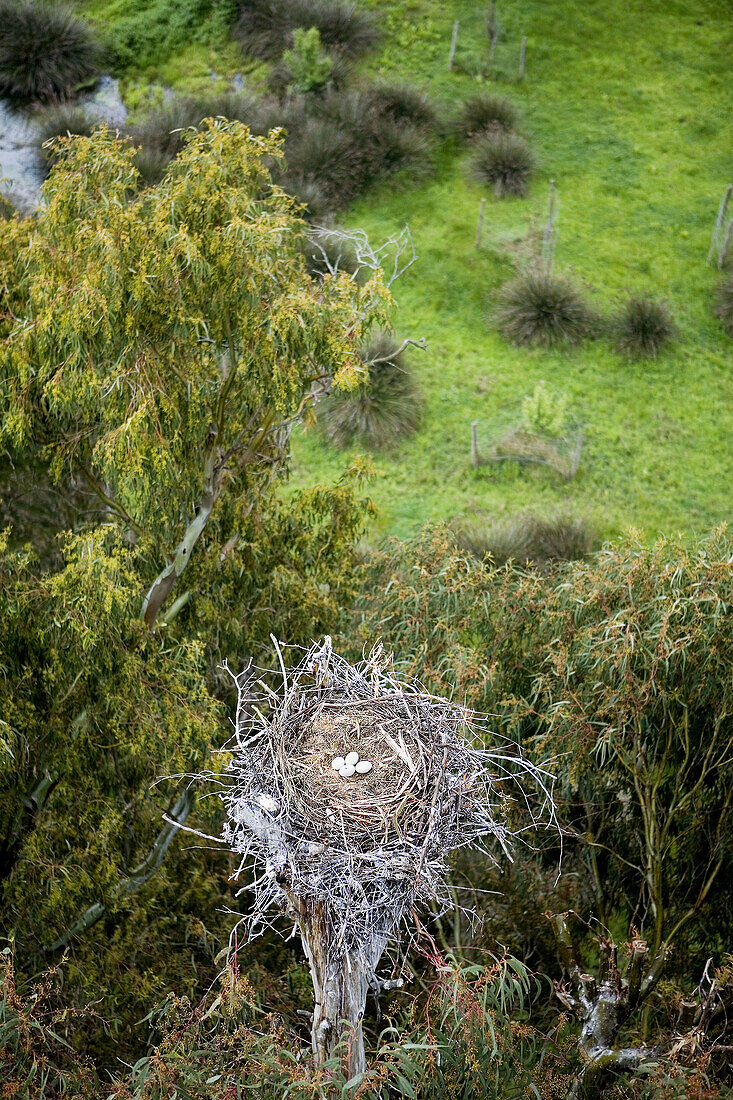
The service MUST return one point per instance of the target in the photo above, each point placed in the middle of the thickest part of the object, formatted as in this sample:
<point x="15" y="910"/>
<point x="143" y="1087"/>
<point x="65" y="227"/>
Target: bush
<point x="383" y="411"/>
<point x="59" y="121"/>
<point x="485" y="113"/>
<point x="642" y="328"/>
<point x="724" y="308"/>
<point x="160" y="133"/>
<point x="505" y="161"/>
<point x="265" y="27"/>
<point x="529" y="538"/>
<point x="345" y="147"/>
<point x="537" y="308"/>
<point x="399" y="103"/>
<point x="46" y="53"/>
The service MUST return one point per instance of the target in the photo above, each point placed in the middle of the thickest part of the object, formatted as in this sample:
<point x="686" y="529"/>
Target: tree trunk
<point x="341" y="980"/>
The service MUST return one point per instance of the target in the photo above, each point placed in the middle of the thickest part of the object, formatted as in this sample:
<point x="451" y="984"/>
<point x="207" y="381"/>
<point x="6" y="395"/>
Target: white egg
<point x="363" y="767"/>
<point x="337" y="763"/>
<point x="347" y="771"/>
<point x="352" y="758"/>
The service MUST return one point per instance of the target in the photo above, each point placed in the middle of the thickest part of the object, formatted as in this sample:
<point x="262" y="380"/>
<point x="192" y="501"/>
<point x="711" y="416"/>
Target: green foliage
<point x="643" y="327"/>
<point x="484" y="113"/>
<point x="59" y="121"/>
<point x="469" y="1040"/>
<point x="266" y="27"/>
<point x="309" y="65"/>
<point x="529" y="538"/>
<point x="46" y="53"/>
<point x="160" y="135"/>
<point x="538" y="308"/>
<point x="505" y="161"/>
<point x="137" y="361"/>
<point x="145" y="32"/>
<point x="381" y="412"/>
<point x="545" y="410"/>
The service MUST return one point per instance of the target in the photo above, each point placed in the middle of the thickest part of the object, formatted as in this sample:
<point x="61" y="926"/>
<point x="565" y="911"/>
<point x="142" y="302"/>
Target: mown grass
<point x="626" y="105"/>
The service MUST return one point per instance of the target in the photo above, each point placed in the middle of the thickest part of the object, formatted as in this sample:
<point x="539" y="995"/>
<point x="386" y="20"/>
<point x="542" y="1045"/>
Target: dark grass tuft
<point x="527" y="538"/>
<point x="642" y="328"/>
<point x="46" y="53"/>
<point x="504" y="161"/>
<point x="59" y="121"/>
<point x="344" y="146"/>
<point x="486" y="113"/>
<point x="383" y="411"/>
<point x="536" y="308"/>
<point x="265" y="27"/>
<point x="403" y="105"/>
<point x="724" y="304"/>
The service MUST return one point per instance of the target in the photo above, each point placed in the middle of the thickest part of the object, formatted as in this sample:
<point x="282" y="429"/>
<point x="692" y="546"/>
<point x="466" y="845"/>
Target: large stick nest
<point x="369" y="845"/>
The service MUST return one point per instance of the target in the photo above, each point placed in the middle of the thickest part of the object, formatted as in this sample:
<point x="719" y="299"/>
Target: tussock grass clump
<point x="46" y="53"/>
<point x="529" y="538"/>
<point x="344" y="146"/>
<point x="384" y="410"/>
<point x="265" y="27"/>
<point x="642" y="327"/>
<point x="402" y="104"/>
<point x="724" y="304"/>
<point x="54" y="122"/>
<point x="505" y="161"/>
<point x="486" y="113"/>
<point x="537" y="308"/>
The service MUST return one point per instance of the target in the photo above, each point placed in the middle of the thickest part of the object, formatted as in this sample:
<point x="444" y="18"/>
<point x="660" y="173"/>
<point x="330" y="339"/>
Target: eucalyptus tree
<point x="158" y="347"/>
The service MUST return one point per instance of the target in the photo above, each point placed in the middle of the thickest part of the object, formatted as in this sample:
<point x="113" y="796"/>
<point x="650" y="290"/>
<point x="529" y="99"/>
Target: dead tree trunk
<point x="341" y="981"/>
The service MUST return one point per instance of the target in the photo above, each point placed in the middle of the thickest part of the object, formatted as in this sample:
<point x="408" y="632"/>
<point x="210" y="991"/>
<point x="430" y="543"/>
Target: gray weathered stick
<point x="722" y="210"/>
<point x="724" y="250"/>
<point x="480" y="223"/>
<point x="475" y="460"/>
<point x="522" y="58"/>
<point x="453" y="41"/>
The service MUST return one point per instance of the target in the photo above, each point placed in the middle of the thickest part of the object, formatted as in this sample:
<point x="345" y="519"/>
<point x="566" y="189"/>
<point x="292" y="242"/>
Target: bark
<point x="341" y="981"/>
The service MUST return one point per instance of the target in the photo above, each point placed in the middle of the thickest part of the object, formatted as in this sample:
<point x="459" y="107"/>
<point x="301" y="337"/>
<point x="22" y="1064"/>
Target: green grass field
<point x="627" y="105"/>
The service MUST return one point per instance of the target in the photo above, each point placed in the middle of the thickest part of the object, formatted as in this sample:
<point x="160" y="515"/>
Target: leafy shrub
<point x="528" y="537"/>
<point x="265" y="27"/>
<point x="382" y="411"/>
<point x="309" y="65"/>
<point x="148" y="32"/>
<point x="724" y="307"/>
<point x="160" y="134"/>
<point x="402" y="104"/>
<point x="59" y="121"/>
<point x="505" y="161"/>
<point x="486" y="113"/>
<point x="46" y="53"/>
<point x="545" y="410"/>
<point x="537" y="308"/>
<point x="643" y="327"/>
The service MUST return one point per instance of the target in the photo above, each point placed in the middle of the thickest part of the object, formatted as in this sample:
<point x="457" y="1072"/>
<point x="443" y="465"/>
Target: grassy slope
<point x="627" y="104"/>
